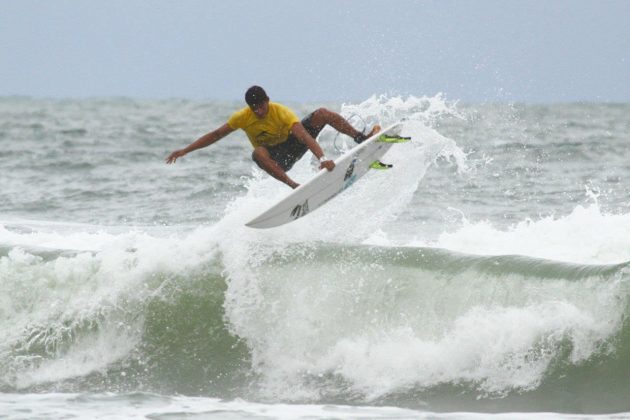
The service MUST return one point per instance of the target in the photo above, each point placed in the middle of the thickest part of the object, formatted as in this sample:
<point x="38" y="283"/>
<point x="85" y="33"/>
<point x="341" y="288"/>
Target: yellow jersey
<point x="268" y="131"/>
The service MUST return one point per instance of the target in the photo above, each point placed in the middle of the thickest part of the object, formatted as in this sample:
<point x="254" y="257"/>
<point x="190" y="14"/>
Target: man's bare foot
<point x="362" y="137"/>
<point x="374" y="130"/>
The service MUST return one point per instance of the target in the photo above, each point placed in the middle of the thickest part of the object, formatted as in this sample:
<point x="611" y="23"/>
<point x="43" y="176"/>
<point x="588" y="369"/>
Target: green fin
<point x="390" y="138"/>
<point x="377" y="164"/>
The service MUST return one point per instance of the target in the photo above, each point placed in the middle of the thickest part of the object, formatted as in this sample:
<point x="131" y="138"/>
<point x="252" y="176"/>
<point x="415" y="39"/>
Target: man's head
<point x="258" y="101"/>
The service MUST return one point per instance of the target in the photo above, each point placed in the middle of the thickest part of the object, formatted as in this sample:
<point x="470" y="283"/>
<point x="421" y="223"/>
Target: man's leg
<point x="263" y="159"/>
<point x="322" y="116"/>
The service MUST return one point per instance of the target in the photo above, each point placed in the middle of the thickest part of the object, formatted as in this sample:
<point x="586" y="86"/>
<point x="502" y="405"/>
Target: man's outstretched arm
<point x="203" y="141"/>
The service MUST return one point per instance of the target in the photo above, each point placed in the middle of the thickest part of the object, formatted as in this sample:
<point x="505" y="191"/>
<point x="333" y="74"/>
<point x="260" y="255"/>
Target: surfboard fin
<point x="377" y="164"/>
<point x="391" y="138"/>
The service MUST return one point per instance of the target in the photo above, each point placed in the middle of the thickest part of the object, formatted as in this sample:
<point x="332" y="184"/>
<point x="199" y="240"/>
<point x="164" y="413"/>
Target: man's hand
<point x="328" y="164"/>
<point x="203" y="141"/>
<point x="175" y="155"/>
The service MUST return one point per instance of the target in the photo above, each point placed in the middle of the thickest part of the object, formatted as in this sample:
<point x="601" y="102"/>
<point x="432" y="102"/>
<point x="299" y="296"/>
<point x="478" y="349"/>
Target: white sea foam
<point x="78" y="312"/>
<point x="142" y="406"/>
<point x="383" y="328"/>
<point x="585" y="236"/>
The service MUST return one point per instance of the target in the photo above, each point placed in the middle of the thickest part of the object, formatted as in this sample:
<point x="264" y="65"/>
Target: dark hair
<point x="255" y="95"/>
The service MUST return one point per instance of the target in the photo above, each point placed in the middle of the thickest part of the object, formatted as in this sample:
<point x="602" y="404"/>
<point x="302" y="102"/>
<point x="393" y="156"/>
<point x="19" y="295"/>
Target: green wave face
<point x="324" y="322"/>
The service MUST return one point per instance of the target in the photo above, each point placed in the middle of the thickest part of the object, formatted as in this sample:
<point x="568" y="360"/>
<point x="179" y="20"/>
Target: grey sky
<point x="529" y="50"/>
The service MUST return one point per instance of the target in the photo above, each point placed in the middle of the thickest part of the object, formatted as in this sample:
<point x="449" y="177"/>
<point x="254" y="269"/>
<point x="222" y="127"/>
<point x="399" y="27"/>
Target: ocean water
<point x="485" y="275"/>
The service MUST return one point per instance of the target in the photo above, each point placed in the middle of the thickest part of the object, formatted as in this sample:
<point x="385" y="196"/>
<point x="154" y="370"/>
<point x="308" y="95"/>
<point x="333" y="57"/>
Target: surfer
<point x="279" y="138"/>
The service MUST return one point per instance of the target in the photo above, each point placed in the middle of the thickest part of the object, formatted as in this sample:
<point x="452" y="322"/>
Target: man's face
<point x="261" y="110"/>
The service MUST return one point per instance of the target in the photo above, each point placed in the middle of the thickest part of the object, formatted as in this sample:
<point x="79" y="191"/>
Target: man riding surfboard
<point x="279" y="138"/>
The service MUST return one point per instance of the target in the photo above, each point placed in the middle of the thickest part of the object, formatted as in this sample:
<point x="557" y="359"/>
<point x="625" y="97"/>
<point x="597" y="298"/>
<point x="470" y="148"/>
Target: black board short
<point x="291" y="150"/>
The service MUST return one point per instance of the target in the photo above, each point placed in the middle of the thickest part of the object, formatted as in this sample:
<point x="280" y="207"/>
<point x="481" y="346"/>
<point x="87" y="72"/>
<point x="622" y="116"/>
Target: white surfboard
<point x="327" y="184"/>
